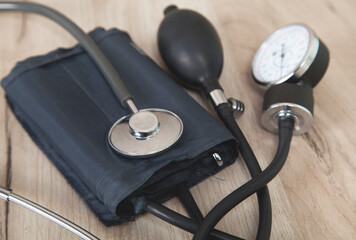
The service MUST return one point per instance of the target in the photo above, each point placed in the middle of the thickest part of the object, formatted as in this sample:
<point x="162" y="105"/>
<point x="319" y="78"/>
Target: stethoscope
<point x="290" y="62"/>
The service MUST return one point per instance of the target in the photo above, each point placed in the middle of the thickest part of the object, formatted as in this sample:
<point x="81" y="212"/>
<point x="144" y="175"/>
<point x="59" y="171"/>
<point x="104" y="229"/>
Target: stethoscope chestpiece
<point x="145" y="133"/>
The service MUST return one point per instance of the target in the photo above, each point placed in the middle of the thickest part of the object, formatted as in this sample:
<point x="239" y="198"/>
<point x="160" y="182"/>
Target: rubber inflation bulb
<point x="191" y="48"/>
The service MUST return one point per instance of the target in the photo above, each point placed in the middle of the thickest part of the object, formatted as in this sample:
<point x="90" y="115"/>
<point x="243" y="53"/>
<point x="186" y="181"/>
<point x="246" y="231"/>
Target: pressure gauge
<point x="290" y="54"/>
<point x="291" y="61"/>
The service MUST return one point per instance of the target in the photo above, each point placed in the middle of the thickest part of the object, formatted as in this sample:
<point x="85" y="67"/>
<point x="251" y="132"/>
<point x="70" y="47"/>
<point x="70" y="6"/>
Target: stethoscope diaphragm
<point x="145" y="133"/>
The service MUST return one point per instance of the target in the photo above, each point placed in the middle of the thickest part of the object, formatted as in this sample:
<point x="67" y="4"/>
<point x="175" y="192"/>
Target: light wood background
<point x="314" y="196"/>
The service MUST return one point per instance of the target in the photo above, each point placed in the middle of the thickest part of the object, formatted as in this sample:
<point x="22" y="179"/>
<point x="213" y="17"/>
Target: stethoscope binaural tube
<point x="9" y="196"/>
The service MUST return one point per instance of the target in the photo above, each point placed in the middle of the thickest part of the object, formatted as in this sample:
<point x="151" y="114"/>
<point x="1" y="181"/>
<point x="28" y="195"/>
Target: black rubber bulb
<point x="191" y="48"/>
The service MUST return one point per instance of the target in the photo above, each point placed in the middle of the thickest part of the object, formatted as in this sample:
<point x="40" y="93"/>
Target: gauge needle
<point x="282" y="57"/>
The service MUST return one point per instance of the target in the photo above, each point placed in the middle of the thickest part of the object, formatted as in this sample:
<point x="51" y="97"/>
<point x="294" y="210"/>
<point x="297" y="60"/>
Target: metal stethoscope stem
<point x="9" y="196"/>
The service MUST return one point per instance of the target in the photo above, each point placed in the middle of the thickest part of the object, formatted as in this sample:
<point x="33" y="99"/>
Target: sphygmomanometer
<point x="126" y="152"/>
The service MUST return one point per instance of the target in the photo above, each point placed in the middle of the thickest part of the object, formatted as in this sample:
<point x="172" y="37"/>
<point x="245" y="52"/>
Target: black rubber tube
<point x="263" y="198"/>
<point x="103" y="63"/>
<point x="183" y="222"/>
<point x="264" y="202"/>
<point x="186" y="198"/>
<point x="223" y="207"/>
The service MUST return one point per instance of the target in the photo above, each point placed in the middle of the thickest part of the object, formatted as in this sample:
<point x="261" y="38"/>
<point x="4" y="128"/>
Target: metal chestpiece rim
<point x="136" y="139"/>
<point x="303" y="118"/>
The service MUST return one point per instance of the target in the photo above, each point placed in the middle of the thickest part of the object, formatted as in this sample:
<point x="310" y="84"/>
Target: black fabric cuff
<point x="66" y="106"/>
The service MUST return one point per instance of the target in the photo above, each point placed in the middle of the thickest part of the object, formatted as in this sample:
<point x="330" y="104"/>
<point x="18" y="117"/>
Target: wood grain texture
<point x="314" y="196"/>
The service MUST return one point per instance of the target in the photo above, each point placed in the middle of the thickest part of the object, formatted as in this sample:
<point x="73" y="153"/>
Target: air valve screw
<point x="237" y="107"/>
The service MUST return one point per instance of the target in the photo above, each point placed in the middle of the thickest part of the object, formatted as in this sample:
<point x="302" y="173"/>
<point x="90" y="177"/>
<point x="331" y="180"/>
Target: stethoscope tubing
<point x="103" y="63"/>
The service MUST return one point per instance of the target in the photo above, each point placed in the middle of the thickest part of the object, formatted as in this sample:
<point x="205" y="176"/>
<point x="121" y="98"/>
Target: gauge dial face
<point x="281" y="54"/>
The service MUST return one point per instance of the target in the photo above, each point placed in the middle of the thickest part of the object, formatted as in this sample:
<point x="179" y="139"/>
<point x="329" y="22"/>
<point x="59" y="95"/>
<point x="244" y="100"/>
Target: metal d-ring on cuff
<point x="9" y="196"/>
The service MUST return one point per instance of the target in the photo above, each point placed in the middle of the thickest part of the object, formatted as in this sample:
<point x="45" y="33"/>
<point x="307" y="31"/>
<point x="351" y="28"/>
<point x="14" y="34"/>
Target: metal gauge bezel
<point x="300" y="69"/>
<point x="303" y="117"/>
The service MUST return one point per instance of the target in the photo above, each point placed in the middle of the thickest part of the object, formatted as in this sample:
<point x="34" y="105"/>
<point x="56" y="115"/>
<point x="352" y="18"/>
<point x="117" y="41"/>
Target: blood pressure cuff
<point x="67" y="107"/>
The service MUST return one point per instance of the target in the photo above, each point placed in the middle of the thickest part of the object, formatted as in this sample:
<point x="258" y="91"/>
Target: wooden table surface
<point x="314" y="196"/>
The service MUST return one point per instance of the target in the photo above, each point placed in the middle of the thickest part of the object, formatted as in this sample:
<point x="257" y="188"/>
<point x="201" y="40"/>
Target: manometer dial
<point x="290" y="54"/>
